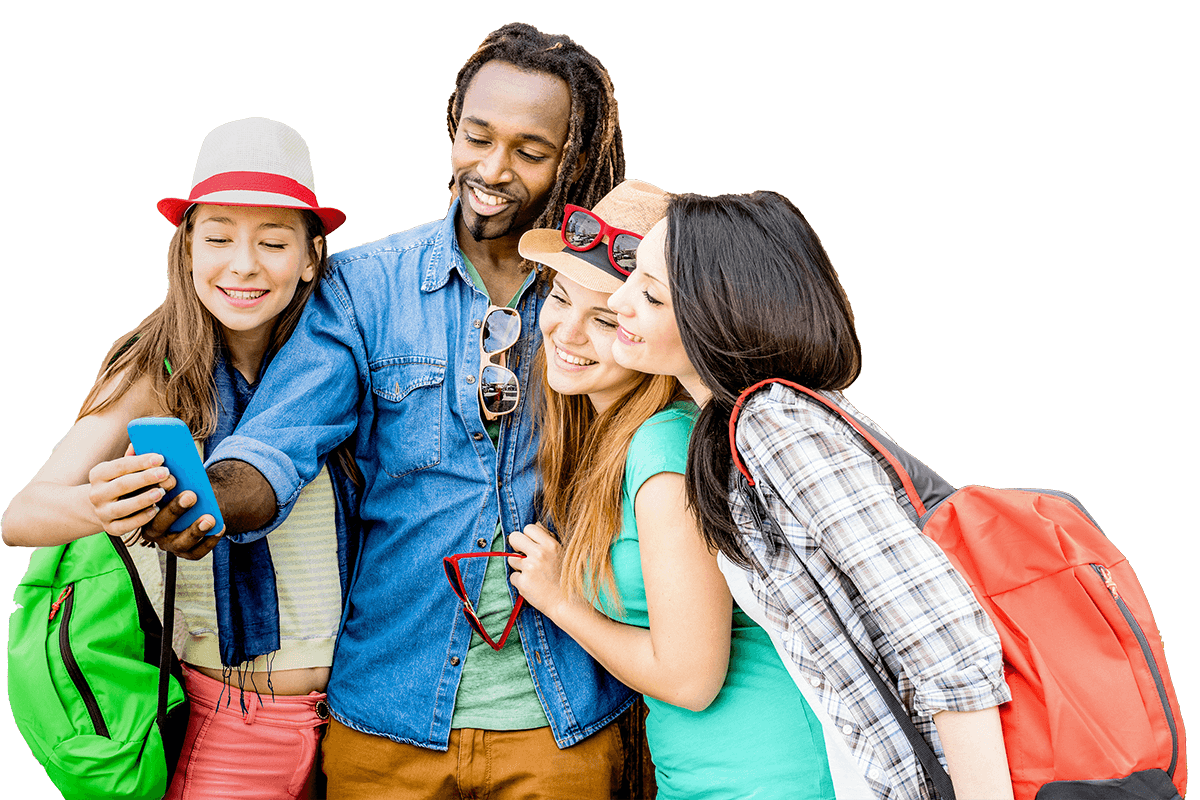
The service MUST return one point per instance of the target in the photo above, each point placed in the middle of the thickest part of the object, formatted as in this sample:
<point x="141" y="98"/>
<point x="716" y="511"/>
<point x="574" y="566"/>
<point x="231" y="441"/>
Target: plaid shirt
<point x="899" y="598"/>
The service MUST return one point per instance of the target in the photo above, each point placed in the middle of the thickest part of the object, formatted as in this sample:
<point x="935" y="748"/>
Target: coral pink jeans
<point x="266" y="754"/>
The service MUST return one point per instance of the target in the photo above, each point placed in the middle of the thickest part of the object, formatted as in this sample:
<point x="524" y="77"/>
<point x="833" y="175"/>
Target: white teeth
<point x="633" y="337"/>
<point x="488" y="199"/>
<point x="239" y="294"/>
<point x="570" y="359"/>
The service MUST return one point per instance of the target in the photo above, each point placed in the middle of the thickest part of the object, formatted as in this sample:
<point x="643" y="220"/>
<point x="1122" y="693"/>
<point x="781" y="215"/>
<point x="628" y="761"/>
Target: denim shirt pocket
<point x="409" y="406"/>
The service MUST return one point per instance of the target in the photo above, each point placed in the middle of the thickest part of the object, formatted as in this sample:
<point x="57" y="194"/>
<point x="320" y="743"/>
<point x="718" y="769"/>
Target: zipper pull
<point x="63" y="596"/>
<point x="1108" y="582"/>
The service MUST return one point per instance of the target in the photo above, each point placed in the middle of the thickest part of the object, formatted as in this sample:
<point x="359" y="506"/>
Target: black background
<point x="984" y="198"/>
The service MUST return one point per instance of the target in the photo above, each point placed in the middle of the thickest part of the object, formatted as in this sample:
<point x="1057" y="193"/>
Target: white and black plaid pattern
<point x="896" y="593"/>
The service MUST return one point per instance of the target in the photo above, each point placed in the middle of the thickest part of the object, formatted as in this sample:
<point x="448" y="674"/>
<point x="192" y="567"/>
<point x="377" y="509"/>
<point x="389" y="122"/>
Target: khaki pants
<point x="487" y="765"/>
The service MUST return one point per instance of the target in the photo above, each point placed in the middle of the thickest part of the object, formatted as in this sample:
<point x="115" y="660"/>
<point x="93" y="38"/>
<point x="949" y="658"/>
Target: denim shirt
<point x="388" y="350"/>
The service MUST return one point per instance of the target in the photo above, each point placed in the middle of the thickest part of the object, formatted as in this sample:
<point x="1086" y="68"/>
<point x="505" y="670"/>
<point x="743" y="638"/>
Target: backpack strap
<point x="920" y="747"/>
<point x="923" y="486"/>
<point x="165" y="653"/>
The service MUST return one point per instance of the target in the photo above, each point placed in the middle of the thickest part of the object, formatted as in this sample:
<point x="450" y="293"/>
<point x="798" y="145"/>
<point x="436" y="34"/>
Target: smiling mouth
<point x="633" y="337"/>
<point x="243" y="294"/>
<point x="488" y="199"/>
<point x="573" y="360"/>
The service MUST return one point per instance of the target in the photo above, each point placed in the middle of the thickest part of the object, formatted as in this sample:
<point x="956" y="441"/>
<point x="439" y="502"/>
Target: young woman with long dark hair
<point x="736" y="289"/>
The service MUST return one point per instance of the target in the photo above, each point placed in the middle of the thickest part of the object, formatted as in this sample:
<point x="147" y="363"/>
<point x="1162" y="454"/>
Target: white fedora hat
<point x="253" y="162"/>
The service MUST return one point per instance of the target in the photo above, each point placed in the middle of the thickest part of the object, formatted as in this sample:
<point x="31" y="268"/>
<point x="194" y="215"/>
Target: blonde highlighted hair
<point x="582" y="462"/>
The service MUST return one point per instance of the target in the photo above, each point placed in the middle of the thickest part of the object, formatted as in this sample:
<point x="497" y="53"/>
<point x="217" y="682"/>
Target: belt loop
<point x="253" y="706"/>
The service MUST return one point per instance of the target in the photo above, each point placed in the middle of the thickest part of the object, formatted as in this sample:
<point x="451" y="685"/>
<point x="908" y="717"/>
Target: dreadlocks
<point x="594" y="132"/>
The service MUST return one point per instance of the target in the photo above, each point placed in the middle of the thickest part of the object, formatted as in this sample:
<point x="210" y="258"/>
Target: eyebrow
<point x="262" y="226"/>
<point x="528" y="137"/>
<point x="653" y="277"/>
<point x="602" y="309"/>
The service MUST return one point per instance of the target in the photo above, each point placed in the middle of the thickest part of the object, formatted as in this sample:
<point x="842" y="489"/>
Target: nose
<point x="494" y="167"/>
<point x="618" y="302"/>
<point x="244" y="260"/>
<point x="570" y="330"/>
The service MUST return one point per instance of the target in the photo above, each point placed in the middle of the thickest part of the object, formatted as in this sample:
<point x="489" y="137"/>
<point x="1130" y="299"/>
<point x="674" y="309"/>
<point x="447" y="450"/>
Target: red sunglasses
<point x="582" y="230"/>
<point x="450" y="564"/>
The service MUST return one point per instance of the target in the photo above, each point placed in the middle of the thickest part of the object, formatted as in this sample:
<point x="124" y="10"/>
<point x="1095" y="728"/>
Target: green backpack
<point x="94" y="685"/>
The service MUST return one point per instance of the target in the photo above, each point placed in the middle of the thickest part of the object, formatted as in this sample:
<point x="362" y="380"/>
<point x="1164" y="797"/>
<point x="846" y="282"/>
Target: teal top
<point x="759" y="738"/>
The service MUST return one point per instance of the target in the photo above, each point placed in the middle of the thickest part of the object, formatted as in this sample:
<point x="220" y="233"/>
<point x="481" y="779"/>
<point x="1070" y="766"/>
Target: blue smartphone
<point x="170" y="438"/>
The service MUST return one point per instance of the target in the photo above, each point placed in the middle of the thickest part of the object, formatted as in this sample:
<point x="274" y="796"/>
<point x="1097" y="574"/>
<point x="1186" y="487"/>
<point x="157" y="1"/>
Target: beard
<point x="482" y="229"/>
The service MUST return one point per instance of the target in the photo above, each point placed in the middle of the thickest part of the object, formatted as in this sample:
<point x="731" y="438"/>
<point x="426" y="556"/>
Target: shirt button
<point x="847" y="729"/>
<point x="454" y="661"/>
<point x="477" y="323"/>
<point x="815" y="681"/>
<point x="470" y="379"/>
<point x="477" y="436"/>
<point x="482" y="542"/>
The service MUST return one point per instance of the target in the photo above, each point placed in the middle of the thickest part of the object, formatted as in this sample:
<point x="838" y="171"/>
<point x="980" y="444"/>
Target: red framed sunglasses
<point x="582" y="230"/>
<point x="454" y="576"/>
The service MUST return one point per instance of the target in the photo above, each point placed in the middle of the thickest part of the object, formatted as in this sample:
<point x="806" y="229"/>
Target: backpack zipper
<point x="1148" y="655"/>
<point x="65" y="602"/>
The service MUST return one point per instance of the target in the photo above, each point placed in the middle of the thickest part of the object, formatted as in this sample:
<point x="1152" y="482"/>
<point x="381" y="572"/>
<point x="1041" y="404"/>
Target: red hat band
<point x="254" y="181"/>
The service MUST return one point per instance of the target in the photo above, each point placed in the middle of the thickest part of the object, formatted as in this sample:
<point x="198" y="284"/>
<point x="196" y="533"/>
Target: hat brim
<point x="588" y="268"/>
<point x="173" y="208"/>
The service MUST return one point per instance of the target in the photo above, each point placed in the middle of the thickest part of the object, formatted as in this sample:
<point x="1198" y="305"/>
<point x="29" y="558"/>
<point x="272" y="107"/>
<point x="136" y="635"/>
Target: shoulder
<point x="781" y="424"/>
<point x="139" y="400"/>
<point x="659" y="445"/>
<point x="672" y="425"/>
<point x="390" y="247"/>
<point x="403" y="271"/>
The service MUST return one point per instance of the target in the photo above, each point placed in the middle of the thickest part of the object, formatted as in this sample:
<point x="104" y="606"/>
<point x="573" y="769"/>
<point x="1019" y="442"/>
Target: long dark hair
<point x="594" y="131"/>
<point x="755" y="297"/>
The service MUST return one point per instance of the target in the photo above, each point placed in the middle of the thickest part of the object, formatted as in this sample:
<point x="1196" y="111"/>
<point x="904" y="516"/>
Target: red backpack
<point x="1093" y="713"/>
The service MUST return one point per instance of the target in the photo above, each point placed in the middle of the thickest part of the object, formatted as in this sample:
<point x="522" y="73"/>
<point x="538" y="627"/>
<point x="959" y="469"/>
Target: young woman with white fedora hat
<point x="248" y="249"/>
<point x="633" y="581"/>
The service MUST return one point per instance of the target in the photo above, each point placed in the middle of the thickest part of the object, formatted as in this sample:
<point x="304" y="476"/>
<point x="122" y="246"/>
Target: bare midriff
<point x="283" y="681"/>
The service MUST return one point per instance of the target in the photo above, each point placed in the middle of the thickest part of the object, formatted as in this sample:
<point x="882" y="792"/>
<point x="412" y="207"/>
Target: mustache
<point x="474" y="182"/>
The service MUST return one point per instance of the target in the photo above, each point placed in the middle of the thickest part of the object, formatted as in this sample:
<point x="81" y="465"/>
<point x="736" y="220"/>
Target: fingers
<point x="123" y="492"/>
<point x="533" y="537"/>
<point x="192" y="543"/>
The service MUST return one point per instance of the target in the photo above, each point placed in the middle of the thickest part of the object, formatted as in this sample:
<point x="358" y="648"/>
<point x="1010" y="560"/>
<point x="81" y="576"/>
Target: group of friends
<point x="477" y="483"/>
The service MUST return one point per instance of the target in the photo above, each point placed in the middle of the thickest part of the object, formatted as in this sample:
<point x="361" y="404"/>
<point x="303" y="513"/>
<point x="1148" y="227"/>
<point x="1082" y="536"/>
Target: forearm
<point x="244" y="495"/>
<point x="975" y="755"/>
<point x="46" y="513"/>
<point x="629" y="653"/>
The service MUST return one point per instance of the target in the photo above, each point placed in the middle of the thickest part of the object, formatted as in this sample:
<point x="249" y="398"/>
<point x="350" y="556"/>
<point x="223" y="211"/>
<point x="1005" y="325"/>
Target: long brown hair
<point x="185" y="334"/>
<point x="582" y="461"/>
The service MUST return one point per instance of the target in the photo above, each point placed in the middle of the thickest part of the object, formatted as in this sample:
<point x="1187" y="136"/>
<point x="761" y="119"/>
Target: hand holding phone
<point x="171" y="439"/>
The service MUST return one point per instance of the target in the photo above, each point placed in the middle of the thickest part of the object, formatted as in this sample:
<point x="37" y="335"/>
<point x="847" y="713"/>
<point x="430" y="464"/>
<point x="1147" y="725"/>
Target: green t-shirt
<point x="758" y="737"/>
<point x="496" y="690"/>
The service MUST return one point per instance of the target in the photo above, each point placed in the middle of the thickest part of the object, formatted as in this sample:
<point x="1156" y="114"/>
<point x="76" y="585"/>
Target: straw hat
<point x="633" y="206"/>
<point x="253" y="162"/>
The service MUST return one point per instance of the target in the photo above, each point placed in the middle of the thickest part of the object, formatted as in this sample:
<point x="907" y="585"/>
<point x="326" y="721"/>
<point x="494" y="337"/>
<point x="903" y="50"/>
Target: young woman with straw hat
<point x="632" y="580"/>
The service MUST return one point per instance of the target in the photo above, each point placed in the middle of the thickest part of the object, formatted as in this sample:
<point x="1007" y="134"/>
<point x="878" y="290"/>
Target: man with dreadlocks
<point x="418" y="347"/>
